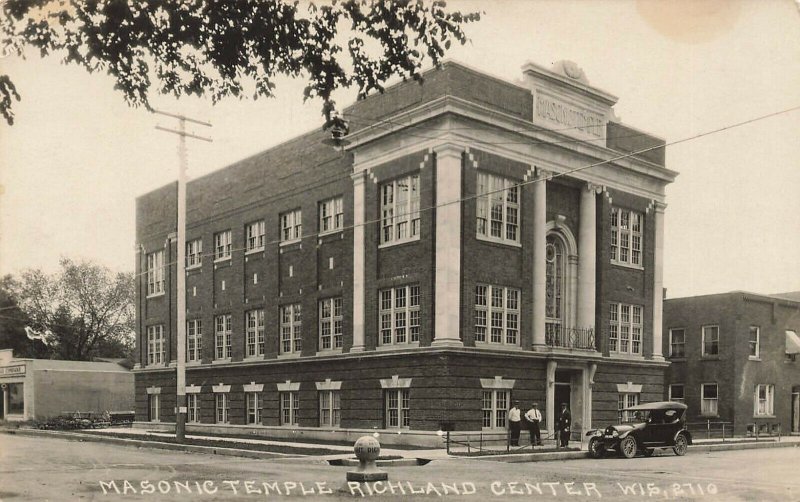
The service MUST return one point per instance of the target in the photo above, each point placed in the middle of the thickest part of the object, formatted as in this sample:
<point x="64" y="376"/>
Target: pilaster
<point x="448" y="245"/>
<point x="658" y="280"/>
<point x="539" y="266"/>
<point x="359" y="297"/>
<point x="587" y="257"/>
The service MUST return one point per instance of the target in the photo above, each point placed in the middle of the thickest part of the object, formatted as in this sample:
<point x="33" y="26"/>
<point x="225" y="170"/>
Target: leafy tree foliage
<point x="12" y="325"/>
<point x="88" y="310"/>
<point x="232" y="47"/>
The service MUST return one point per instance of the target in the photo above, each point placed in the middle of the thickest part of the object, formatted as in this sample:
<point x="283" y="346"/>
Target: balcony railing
<point x="557" y="335"/>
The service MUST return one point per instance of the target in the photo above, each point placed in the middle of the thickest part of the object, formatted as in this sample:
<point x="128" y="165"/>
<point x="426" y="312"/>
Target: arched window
<point x="555" y="288"/>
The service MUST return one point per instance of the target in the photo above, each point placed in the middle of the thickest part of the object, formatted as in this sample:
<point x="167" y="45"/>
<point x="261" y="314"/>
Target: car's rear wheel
<point x="681" y="445"/>
<point x="596" y="448"/>
<point x="627" y="447"/>
<point x="648" y="452"/>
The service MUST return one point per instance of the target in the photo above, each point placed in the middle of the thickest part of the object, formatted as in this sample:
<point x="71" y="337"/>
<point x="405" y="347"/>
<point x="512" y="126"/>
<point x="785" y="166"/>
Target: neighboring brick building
<point x="734" y="359"/>
<point x="331" y="297"/>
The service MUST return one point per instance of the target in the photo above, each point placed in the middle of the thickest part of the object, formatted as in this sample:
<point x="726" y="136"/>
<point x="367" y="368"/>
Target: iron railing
<point x="557" y="335"/>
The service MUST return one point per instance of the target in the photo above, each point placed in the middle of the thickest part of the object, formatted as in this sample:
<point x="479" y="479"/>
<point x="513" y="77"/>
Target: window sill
<point x="627" y="265"/>
<point x="254" y="251"/>
<point x="328" y="352"/>
<point x="709" y="358"/>
<point x="626" y="355"/>
<point x="330" y="232"/>
<point x="290" y="242"/>
<point x="224" y="360"/>
<point x="194" y="363"/>
<point x="289" y="355"/>
<point x="259" y="357"/>
<point x="222" y="260"/>
<point x="155" y="365"/>
<point x="192" y="267"/>
<point x="398" y="346"/>
<point x="155" y="295"/>
<point x="398" y="242"/>
<point x="503" y="242"/>
<point x="498" y="346"/>
<point x="757" y="417"/>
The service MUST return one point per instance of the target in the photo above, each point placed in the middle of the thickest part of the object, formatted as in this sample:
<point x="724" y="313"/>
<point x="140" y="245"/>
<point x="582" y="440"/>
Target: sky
<point x="78" y="156"/>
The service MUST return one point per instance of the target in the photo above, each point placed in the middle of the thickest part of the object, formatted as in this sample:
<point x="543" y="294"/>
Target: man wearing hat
<point x="534" y="416"/>
<point x="514" y="423"/>
<point x="563" y="423"/>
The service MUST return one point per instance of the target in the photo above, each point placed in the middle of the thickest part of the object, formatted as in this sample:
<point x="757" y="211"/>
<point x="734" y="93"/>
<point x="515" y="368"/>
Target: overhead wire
<point x="487" y="193"/>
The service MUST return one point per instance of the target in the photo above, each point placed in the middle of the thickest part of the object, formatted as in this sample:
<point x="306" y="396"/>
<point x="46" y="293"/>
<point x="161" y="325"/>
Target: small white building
<point x="41" y="388"/>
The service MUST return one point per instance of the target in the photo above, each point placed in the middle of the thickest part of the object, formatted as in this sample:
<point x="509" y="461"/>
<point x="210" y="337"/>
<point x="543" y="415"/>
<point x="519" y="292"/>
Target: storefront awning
<point x="792" y="343"/>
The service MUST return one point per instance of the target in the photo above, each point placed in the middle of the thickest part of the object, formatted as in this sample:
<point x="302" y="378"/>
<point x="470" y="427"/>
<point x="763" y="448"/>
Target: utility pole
<point x="183" y="161"/>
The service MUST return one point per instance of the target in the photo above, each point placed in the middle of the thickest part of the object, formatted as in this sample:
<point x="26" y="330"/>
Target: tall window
<point x="710" y="340"/>
<point x="291" y="329"/>
<point x="155" y="345"/>
<point x="399" y="315"/>
<point x="154" y="407"/>
<point x="497" y="208"/>
<point x="626" y="236"/>
<point x="708" y="399"/>
<point x="397" y="408"/>
<point x="253" y="408"/>
<point x="222" y="245"/>
<point x="223" y="407"/>
<point x="400" y="209"/>
<point x="194" y="253"/>
<point x="254" y="233"/>
<point x="291" y="225"/>
<point x="496" y="312"/>
<point x="625" y="329"/>
<point x="625" y="401"/>
<point x="254" y="339"/>
<point x="155" y="273"/>
<point x="222" y="336"/>
<point x="331" y="215"/>
<point x="676" y="392"/>
<point x="755" y="342"/>
<point x="290" y="404"/>
<point x="330" y="408"/>
<point x="192" y="408"/>
<point x="194" y="340"/>
<point x="495" y="409"/>
<point x="554" y="286"/>
<point x="330" y="323"/>
<point x="677" y="342"/>
<point x="763" y="400"/>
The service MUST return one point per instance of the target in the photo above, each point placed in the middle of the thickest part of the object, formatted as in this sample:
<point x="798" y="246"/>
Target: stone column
<point x="359" y="297"/>
<point x="447" y="318"/>
<point x="550" y="396"/>
<point x="658" y="280"/>
<point x="539" y="248"/>
<point x="587" y="258"/>
<point x="5" y="402"/>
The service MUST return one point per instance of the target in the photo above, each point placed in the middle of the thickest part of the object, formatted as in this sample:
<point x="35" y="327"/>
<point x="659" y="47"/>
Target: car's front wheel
<point x="627" y="447"/>
<point x="681" y="445"/>
<point x="596" y="448"/>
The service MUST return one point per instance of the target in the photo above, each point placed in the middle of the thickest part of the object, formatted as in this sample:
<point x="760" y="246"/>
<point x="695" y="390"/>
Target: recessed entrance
<point x="796" y="409"/>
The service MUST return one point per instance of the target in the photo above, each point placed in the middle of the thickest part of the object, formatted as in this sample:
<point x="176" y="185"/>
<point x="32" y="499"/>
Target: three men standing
<point x="534" y="416"/>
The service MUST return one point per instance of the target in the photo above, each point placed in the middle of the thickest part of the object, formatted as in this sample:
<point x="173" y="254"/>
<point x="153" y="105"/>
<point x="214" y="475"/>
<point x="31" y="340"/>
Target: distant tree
<point x="12" y="325"/>
<point x="88" y="310"/>
<point x="233" y="47"/>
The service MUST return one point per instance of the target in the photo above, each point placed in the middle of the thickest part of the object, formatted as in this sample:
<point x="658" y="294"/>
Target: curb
<point x="700" y="448"/>
<point x="211" y="450"/>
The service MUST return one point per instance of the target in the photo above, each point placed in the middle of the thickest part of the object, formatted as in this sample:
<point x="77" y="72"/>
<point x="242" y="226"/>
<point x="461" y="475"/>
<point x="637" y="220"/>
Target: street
<point x="39" y="469"/>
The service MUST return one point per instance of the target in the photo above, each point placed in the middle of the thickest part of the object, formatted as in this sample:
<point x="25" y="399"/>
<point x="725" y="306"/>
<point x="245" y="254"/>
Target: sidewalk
<point x="346" y="452"/>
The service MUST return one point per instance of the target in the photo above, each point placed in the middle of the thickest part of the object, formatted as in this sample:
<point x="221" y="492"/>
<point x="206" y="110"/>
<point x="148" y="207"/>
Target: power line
<point x="523" y="183"/>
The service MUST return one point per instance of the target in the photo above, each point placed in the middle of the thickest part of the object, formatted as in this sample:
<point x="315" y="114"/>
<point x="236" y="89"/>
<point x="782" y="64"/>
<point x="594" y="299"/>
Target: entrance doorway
<point x="796" y="410"/>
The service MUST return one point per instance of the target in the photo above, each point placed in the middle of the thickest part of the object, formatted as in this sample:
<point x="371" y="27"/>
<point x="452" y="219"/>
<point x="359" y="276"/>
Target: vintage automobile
<point x="648" y="426"/>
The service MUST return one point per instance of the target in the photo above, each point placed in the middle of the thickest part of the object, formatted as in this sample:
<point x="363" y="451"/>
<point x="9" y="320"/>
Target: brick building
<point x="734" y="359"/>
<point x="331" y="291"/>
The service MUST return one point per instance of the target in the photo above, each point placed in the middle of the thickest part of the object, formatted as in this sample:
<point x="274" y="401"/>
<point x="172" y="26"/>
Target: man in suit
<point x="563" y="424"/>
<point x="514" y="423"/>
<point x="534" y="416"/>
